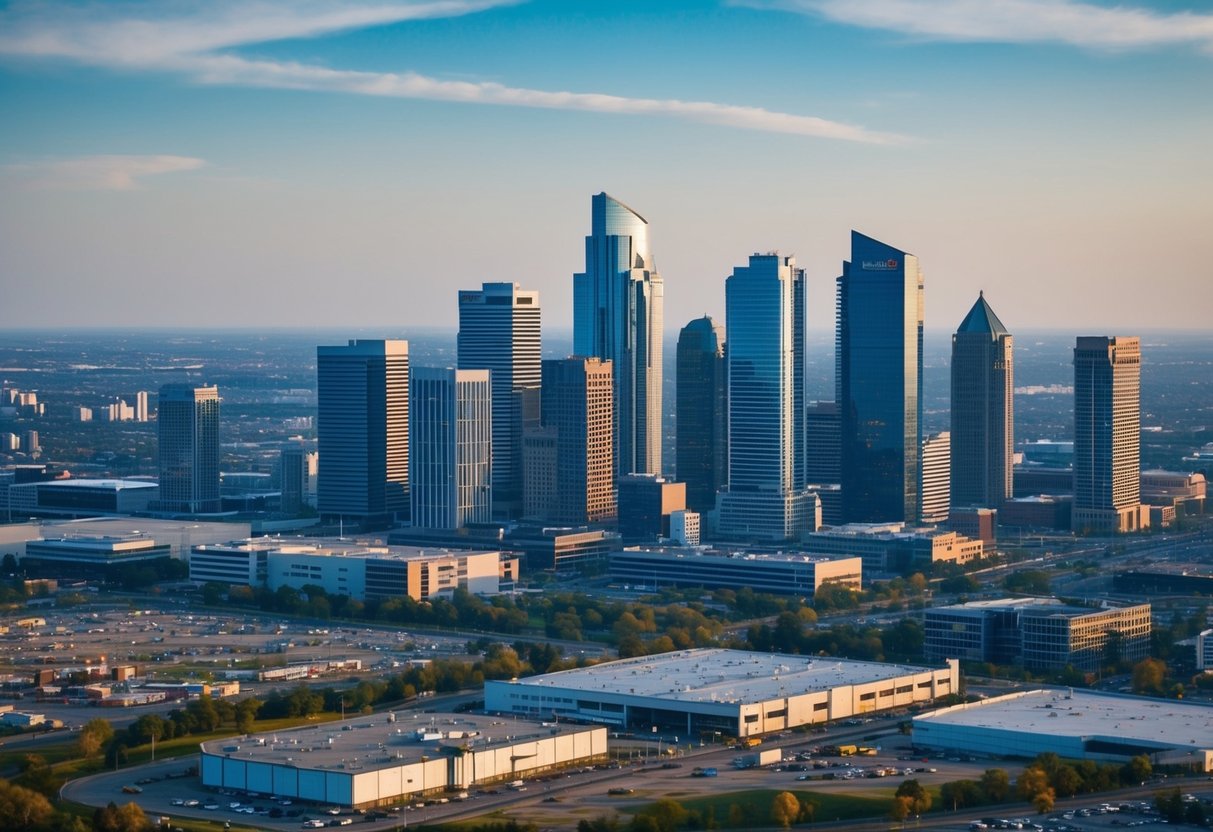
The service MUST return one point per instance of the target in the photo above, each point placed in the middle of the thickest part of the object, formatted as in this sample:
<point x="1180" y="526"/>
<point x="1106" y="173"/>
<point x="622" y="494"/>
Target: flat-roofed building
<point x="1037" y="633"/>
<point x="179" y="535"/>
<point x="1169" y="578"/>
<point x="716" y="691"/>
<point x="1044" y="511"/>
<point x="894" y="547"/>
<point x="1184" y="493"/>
<point x="359" y="569"/>
<point x="777" y="572"/>
<point x="381" y="760"/>
<point x="1204" y="650"/>
<point x="92" y="497"/>
<point x="1075" y="725"/>
<point x="90" y="557"/>
<point x="646" y="502"/>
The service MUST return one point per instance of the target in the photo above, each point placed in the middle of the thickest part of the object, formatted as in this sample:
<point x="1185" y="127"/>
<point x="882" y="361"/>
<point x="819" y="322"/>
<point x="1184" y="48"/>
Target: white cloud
<point x="1015" y="21"/>
<point x="189" y="39"/>
<point x="97" y="173"/>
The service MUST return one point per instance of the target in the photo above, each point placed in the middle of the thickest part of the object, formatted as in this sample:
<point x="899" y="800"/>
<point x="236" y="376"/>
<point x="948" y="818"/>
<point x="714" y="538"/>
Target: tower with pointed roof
<point x="983" y="422"/>
<point x="617" y="316"/>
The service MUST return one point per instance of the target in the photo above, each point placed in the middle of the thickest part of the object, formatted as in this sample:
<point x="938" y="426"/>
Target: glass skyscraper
<point x="702" y="442"/>
<point x="1107" y="435"/>
<point x="188" y="428"/>
<point x="617" y="317"/>
<point x="499" y="332"/>
<point x="450" y="434"/>
<point x="362" y="428"/>
<point x="879" y="366"/>
<point x="983" y="379"/>
<point x="765" y="320"/>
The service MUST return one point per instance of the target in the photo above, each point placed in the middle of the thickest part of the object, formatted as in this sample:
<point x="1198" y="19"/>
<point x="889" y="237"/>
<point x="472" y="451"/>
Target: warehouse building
<point x="387" y="759"/>
<point x="704" y="692"/>
<point x="777" y="572"/>
<point x="1077" y="725"/>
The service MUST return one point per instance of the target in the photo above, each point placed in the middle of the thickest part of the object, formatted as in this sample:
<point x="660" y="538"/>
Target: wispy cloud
<point x="96" y="173"/>
<point x="1015" y="21"/>
<point x="193" y="39"/>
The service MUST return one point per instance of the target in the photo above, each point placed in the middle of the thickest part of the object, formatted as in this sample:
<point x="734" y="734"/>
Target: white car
<point x="313" y="824"/>
<point x="177" y="801"/>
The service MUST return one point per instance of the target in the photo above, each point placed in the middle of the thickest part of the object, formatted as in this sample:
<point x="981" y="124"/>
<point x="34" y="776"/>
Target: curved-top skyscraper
<point x="617" y="316"/>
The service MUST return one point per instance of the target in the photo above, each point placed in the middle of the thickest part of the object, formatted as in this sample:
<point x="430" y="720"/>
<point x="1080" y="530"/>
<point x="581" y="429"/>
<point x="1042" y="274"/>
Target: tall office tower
<point x="451" y="433"/>
<point x="879" y="343"/>
<point x="701" y="449"/>
<point x="188" y="426"/>
<point x="30" y="443"/>
<point x="298" y="470"/>
<point x="821" y="431"/>
<point x="1107" y="436"/>
<point x="499" y="332"/>
<point x="617" y="317"/>
<point x="983" y="426"/>
<point x="141" y="406"/>
<point x="934" y="503"/>
<point x="362" y="425"/>
<point x="578" y="404"/>
<point x="764" y="316"/>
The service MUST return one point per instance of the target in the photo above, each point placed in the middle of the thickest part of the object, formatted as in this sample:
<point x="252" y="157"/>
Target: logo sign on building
<point x="879" y="265"/>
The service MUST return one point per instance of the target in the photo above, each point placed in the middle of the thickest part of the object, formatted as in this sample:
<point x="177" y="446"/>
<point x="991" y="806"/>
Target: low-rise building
<point x="360" y="570"/>
<point x="380" y="760"/>
<point x="1074" y="724"/>
<point x="1037" y="633"/>
<point x="713" y="691"/>
<point x="777" y="572"/>
<point x="894" y="547"/>
<point x="90" y="557"/>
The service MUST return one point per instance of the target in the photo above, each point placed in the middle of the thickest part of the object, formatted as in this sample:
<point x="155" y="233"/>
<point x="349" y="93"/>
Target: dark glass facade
<point x="879" y="340"/>
<point x="701" y="444"/>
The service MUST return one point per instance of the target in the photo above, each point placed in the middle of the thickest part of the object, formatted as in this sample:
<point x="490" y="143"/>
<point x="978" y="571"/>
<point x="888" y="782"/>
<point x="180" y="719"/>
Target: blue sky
<point x="306" y="163"/>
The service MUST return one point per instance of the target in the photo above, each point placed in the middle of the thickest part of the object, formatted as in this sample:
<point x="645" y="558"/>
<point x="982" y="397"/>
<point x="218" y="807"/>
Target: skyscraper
<point x="935" y="488"/>
<point x="362" y="425"/>
<point x="821" y="425"/>
<point x="451" y="425"/>
<point x="701" y="449"/>
<point x="141" y="406"/>
<point x="1107" y="435"/>
<point x="879" y="366"/>
<point x="983" y="427"/>
<point x="499" y="332"/>
<point x="298" y="468"/>
<point x="188" y="427"/>
<point x="617" y="317"/>
<point x="764" y="316"/>
<point x="578" y="401"/>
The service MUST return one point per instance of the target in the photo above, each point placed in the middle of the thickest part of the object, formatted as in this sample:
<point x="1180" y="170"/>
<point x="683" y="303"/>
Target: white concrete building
<point x="359" y="569"/>
<point x="386" y="759"/>
<point x="705" y="692"/>
<point x="1075" y="724"/>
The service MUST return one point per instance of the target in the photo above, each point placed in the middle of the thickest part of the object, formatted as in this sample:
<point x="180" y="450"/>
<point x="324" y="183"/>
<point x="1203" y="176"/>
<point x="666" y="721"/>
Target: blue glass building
<point x="879" y="384"/>
<point x="765" y="319"/>
<point x="617" y="317"/>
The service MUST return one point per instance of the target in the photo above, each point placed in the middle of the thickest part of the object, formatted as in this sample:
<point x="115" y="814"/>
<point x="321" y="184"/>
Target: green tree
<point x="960" y="794"/>
<point x="1066" y="781"/>
<point x="1137" y="770"/>
<point x="920" y="799"/>
<point x="94" y="735"/>
<point x="1032" y="782"/>
<point x="785" y="809"/>
<point x="22" y="809"/>
<point x="1148" y="676"/>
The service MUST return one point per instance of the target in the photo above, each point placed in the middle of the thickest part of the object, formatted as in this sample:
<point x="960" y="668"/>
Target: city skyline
<point x="332" y="157"/>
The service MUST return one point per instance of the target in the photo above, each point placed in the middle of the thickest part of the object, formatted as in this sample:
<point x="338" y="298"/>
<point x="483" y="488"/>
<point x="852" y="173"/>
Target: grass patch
<point x="65" y="760"/>
<point x="753" y="807"/>
<point x="85" y="813"/>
